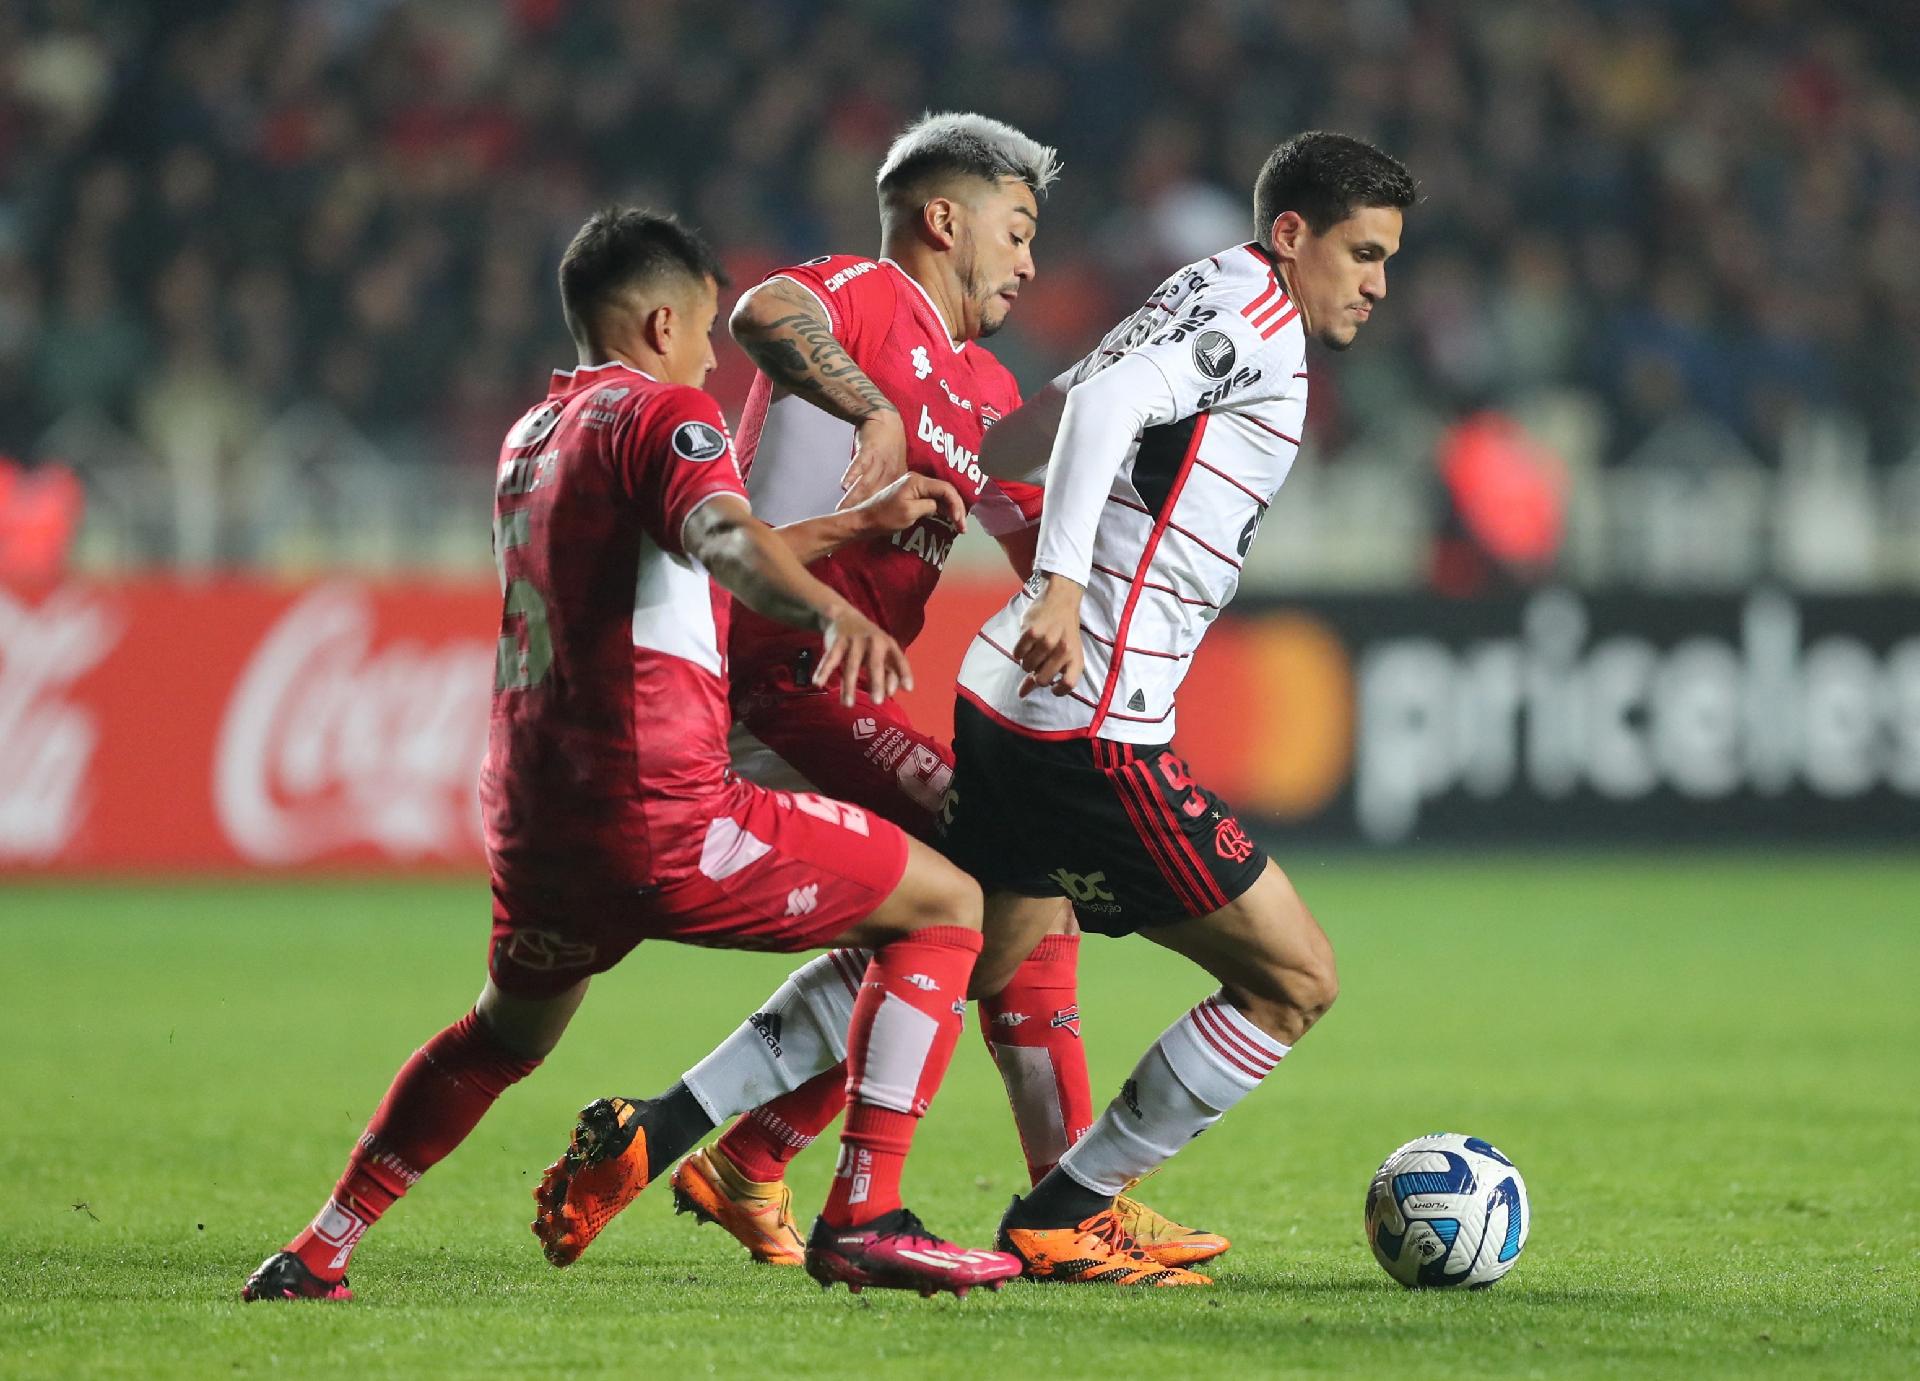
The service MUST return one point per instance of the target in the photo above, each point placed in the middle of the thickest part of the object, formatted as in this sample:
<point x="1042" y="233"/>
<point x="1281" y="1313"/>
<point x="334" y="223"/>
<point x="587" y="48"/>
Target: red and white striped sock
<point x="1033" y="1029"/>
<point x="905" y="1024"/>
<point x="1202" y="1065"/>
<point x="761" y="1143"/>
<point x="438" y="1097"/>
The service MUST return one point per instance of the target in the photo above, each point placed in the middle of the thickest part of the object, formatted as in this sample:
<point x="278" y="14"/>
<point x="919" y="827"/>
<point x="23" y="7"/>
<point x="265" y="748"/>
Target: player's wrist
<point x="1057" y="587"/>
<point x="830" y="613"/>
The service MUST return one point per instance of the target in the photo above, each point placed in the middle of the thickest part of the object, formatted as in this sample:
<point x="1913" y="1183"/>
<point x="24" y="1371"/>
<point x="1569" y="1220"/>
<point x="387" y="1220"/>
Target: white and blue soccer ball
<point x="1447" y="1211"/>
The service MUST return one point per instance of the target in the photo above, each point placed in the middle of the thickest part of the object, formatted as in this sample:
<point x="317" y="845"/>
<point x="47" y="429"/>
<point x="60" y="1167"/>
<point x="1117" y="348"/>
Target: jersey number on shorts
<point x="516" y="667"/>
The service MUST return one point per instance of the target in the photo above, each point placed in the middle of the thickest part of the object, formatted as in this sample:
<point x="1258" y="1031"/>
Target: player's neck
<point x="1291" y="284"/>
<point x="636" y="357"/>
<point x="929" y="269"/>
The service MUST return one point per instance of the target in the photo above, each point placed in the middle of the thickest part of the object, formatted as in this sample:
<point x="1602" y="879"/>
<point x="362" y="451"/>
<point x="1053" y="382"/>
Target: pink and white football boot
<point x="896" y="1252"/>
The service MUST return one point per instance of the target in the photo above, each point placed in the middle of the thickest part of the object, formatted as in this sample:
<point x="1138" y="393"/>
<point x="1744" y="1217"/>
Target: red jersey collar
<point x="932" y="306"/>
<point x="568" y="380"/>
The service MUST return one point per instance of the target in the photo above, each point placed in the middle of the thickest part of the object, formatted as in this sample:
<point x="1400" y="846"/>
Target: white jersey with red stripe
<point x="1179" y="430"/>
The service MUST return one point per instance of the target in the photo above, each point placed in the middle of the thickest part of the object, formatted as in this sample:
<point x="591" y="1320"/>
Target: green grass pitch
<point x="1708" y="1069"/>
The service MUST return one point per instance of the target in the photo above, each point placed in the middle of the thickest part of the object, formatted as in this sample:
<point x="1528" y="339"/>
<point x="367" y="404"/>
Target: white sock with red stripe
<point x="1202" y="1065"/>
<point x="799" y="1031"/>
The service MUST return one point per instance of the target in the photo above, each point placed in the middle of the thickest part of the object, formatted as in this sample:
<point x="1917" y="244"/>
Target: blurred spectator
<point x="1673" y="207"/>
<point x="39" y="514"/>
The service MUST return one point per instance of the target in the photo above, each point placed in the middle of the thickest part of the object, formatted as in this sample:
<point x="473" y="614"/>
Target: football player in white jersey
<point x="1162" y="450"/>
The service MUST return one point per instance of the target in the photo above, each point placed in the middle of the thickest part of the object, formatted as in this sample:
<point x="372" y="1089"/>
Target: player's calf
<point x="1274" y="963"/>
<point x="436" y="1099"/>
<point x="1276" y="970"/>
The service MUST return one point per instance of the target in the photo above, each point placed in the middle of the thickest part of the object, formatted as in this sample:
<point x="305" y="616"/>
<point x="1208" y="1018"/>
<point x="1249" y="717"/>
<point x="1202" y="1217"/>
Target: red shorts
<point x="871" y="755"/>
<point x="776" y="870"/>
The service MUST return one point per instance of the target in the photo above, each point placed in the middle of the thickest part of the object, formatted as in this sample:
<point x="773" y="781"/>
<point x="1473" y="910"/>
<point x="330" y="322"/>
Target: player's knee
<point x="1312" y="987"/>
<point x="1303" y="974"/>
<point x="948" y="897"/>
<point x="528" y="1028"/>
<point x="993" y="971"/>
<point x="1285" y="998"/>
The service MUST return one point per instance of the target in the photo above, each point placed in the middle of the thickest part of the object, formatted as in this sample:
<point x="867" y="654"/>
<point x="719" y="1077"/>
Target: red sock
<point x="436" y="1099"/>
<point x="762" y="1142"/>
<point x="906" y="1022"/>
<point x="1032" y="1029"/>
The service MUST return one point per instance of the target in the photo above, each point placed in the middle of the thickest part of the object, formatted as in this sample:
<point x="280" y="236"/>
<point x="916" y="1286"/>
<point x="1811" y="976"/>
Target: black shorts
<point x="1121" y="829"/>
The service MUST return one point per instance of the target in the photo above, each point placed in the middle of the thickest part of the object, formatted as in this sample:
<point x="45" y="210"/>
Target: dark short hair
<point x="1326" y="177"/>
<point x="625" y="247"/>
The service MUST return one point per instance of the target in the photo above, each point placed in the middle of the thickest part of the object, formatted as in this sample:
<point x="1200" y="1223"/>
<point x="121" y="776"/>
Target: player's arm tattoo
<point x="754" y="563"/>
<point x="782" y="329"/>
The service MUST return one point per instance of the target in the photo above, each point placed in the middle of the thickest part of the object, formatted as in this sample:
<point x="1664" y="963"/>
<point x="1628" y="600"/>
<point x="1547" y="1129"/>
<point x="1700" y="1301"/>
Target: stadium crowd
<point x="213" y="208"/>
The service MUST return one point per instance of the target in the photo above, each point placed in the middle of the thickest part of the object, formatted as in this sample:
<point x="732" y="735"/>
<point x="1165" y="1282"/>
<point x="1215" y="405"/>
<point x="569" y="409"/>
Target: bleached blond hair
<point x="968" y="144"/>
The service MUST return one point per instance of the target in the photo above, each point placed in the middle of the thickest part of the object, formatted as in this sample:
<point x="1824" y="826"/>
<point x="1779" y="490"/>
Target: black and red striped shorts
<point x="1121" y="829"/>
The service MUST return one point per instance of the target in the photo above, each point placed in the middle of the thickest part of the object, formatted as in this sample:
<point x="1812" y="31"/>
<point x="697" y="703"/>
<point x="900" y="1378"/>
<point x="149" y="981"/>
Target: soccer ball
<point x="1447" y="1210"/>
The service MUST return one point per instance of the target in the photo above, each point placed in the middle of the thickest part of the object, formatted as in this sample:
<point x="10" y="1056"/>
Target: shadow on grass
<point x="1348" y="1290"/>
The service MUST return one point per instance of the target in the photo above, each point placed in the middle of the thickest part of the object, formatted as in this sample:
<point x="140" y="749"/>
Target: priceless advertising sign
<point x="1565" y="718"/>
<point x="169" y="726"/>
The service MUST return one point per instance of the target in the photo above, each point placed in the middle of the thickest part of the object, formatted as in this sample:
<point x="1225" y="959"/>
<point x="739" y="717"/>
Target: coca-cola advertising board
<point x="162" y="725"/>
<point x="169" y="726"/>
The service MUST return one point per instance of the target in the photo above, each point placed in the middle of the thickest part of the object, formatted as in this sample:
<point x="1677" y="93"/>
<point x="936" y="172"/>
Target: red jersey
<point x="609" y="720"/>
<point x="793" y="454"/>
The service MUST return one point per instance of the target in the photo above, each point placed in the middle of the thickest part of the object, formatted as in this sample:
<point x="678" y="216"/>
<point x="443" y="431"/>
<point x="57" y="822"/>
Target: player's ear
<point x="1285" y="235"/>
<point x="659" y="327"/>
<point x="940" y="220"/>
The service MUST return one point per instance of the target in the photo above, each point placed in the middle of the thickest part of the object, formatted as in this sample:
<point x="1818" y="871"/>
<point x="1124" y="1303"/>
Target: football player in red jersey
<point x="872" y="368"/>
<point x="620" y="525"/>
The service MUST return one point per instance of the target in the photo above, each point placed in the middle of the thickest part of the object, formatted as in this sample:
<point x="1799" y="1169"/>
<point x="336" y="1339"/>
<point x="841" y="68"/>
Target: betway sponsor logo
<point x="959" y="459"/>
<point x="47" y="740"/>
<point x="1762" y="710"/>
<point x="331" y="742"/>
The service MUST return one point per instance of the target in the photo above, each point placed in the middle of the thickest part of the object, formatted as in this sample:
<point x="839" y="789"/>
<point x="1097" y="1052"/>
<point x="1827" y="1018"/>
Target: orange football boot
<point x="760" y="1216"/>
<point x="1168" y="1242"/>
<point x="1095" y="1251"/>
<point x="604" y="1169"/>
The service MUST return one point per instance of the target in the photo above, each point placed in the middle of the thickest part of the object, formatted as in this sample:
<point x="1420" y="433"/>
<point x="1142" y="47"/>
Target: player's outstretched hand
<point x="909" y="499"/>
<point x="856" y="647"/>
<point x="879" y="457"/>
<point x="1049" y="644"/>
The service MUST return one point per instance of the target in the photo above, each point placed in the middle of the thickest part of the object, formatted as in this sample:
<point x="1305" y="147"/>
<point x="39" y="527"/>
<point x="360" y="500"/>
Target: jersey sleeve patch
<point x="699" y="442"/>
<point x="1209" y="354"/>
<point x="1214" y="354"/>
<point x="667" y="454"/>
